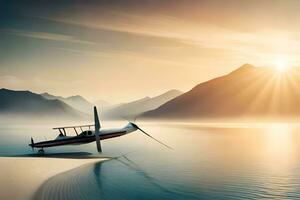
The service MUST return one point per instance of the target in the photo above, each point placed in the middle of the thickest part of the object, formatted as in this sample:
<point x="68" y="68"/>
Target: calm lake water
<point x="209" y="161"/>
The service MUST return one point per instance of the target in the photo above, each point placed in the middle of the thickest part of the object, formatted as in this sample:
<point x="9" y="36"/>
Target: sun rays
<point x="273" y="92"/>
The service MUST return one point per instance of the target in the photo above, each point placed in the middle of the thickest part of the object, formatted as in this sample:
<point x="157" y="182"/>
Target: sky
<point x="122" y="50"/>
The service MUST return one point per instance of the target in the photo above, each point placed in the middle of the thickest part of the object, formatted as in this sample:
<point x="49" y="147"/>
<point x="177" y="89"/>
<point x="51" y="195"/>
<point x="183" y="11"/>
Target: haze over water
<point x="209" y="161"/>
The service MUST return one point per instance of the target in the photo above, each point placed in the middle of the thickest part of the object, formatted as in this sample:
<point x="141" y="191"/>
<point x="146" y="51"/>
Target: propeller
<point x="97" y="130"/>
<point x="32" y="144"/>
<point x="136" y="126"/>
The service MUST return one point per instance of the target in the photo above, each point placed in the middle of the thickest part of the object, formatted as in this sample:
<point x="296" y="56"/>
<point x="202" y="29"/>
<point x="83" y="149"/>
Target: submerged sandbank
<point x="21" y="177"/>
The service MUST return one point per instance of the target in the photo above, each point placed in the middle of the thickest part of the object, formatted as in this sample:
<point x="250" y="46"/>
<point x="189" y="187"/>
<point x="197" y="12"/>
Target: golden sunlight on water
<point x="279" y="159"/>
<point x="279" y="141"/>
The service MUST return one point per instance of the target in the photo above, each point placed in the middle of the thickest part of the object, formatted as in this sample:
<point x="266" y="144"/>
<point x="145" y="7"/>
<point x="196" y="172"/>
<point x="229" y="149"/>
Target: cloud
<point x="10" y="81"/>
<point x="127" y="56"/>
<point x="46" y="36"/>
<point x="198" y="34"/>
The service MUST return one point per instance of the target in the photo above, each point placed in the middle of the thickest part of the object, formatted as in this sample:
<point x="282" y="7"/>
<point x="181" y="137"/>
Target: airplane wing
<point x="62" y="129"/>
<point x="82" y="126"/>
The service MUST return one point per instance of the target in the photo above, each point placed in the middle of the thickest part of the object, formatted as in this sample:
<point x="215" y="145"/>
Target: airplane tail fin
<point x="97" y="130"/>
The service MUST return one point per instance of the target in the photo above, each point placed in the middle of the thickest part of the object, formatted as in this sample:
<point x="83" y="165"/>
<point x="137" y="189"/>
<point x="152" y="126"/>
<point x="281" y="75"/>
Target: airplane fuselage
<point x="85" y="137"/>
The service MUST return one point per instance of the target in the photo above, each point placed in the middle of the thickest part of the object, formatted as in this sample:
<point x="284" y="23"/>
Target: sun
<point x="281" y="64"/>
<point x="281" y="67"/>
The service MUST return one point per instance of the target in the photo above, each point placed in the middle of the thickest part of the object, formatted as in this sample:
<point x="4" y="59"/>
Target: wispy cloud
<point x="198" y="34"/>
<point x="10" y="81"/>
<point x="130" y="56"/>
<point x="45" y="36"/>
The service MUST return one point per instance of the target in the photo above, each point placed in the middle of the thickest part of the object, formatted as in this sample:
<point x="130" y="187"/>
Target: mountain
<point x="26" y="103"/>
<point x="77" y="102"/>
<point x="132" y="109"/>
<point x="246" y="92"/>
<point x="50" y="96"/>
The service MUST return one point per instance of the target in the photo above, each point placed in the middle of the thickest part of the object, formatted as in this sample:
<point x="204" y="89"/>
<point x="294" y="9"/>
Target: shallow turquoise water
<point x="209" y="161"/>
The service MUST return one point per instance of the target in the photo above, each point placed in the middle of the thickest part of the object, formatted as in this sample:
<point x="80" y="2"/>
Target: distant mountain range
<point x="45" y="105"/>
<point x="26" y="103"/>
<point x="118" y="111"/>
<point x="133" y="109"/>
<point x="77" y="102"/>
<point x="246" y="92"/>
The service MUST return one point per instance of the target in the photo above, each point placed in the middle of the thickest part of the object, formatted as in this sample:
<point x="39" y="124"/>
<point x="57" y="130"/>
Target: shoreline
<point x="20" y="177"/>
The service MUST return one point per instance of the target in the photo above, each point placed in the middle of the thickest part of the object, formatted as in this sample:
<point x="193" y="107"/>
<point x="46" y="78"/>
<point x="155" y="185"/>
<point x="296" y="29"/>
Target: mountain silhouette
<point x="246" y="92"/>
<point x="26" y="103"/>
<point x="132" y="109"/>
<point x="77" y="102"/>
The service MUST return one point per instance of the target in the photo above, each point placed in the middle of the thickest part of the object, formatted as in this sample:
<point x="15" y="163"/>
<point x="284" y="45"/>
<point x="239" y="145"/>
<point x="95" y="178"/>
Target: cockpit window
<point x="85" y="133"/>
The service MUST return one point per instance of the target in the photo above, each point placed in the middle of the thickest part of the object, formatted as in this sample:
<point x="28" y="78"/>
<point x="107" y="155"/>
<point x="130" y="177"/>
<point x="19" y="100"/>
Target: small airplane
<point x="88" y="136"/>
